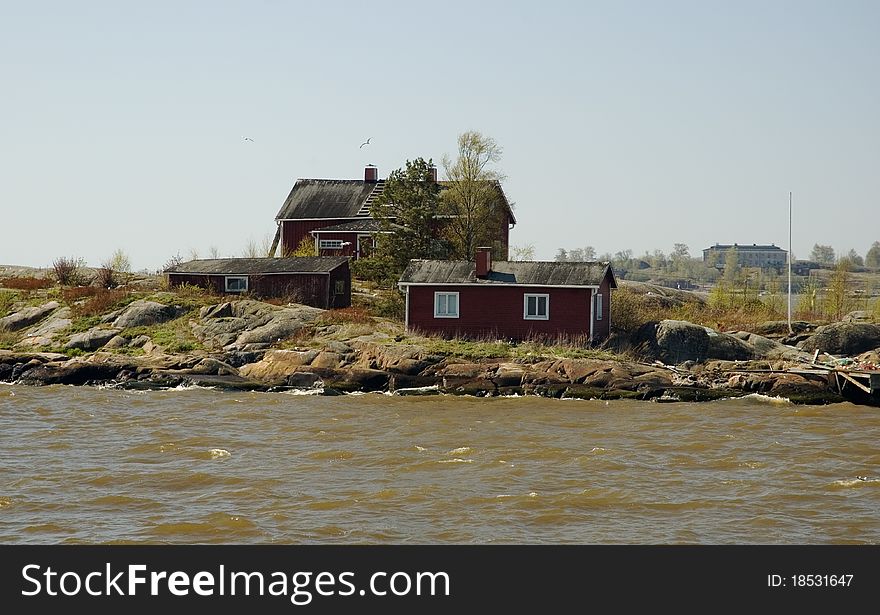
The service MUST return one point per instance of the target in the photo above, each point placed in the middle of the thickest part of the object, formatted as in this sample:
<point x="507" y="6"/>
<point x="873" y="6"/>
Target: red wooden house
<point x="335" y="214"/>
<point x="323" y="282"/>
<point x="509" y="300"/>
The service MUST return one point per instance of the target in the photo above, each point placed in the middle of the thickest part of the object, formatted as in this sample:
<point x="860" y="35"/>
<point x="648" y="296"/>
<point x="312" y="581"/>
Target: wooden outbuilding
<point x="319" y="281"/>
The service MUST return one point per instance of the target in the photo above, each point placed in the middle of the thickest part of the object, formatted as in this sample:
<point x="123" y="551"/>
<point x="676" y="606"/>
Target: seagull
<point x="367" y="142"/>
<point x="248" y="139"/>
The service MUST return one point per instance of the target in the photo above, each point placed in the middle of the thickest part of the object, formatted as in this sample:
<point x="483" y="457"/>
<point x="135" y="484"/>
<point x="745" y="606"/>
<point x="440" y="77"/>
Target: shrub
<point x="67" y="270"/>
<point x="7" y="300"/>
<point x="25" y="282"/>
<point x="106" y="278"/>
<point x="102" y="302"/>
<point x="75" y="293"/>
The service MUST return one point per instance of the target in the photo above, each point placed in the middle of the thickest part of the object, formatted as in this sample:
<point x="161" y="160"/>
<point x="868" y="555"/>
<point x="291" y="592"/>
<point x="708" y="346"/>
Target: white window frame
<point x="329" y="244"/>
<point x="599" y="302"/>
<point x="526" y="315"/>
<point x="446" y="313"/>
<point x="230" y="278"/>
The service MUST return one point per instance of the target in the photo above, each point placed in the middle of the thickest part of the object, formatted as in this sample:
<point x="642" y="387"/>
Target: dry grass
<point x="343" y="316"/>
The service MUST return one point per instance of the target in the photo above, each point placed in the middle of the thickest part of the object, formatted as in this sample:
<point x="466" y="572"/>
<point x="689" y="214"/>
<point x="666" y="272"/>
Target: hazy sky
<point x="624" y="124"/>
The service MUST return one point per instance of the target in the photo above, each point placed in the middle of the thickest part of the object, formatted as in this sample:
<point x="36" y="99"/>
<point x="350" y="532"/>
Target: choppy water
<point x="81" y="464"/>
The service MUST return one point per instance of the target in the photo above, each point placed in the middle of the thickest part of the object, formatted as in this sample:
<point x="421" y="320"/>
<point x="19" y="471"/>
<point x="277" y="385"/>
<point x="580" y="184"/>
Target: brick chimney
<point x="371" y="174"/>
<point x="484" y="262"/>
<point x="433" y="171"/>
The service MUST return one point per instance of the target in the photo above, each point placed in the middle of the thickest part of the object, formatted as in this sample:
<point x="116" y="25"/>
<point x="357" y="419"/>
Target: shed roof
<point x="243" y="266"/>
<point x="531" y="273"/>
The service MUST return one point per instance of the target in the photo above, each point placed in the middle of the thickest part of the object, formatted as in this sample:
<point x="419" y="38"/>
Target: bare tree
<point x="522" y="253"/>
<point x="472" y="200"/>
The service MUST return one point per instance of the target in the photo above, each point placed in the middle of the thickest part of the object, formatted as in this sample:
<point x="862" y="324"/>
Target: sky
<point x="624" y="125"/>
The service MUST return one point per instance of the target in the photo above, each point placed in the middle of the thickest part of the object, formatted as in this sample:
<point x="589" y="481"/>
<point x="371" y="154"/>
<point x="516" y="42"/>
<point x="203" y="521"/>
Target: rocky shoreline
<point x="662" y="361"/>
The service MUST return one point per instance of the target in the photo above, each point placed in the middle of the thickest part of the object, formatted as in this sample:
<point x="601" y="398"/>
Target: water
<point x="88" y="465"/>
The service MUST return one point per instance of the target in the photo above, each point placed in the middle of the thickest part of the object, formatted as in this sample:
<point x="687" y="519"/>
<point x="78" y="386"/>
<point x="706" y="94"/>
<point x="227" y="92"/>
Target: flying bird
<point x="367" y="142"/>
<point x="248" y="139"/>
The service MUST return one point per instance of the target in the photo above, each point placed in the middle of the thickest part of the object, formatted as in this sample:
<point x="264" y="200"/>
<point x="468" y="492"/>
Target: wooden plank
<point x="849" y="378"/>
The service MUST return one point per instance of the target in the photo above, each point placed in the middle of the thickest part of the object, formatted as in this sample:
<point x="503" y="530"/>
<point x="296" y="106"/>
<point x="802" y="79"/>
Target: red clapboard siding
<point x="308" y="289"/>
<point x="498" y="310"/>
<point x="293" y="231"/>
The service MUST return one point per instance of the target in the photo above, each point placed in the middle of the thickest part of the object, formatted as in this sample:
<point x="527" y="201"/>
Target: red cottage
<point x="323" y="282"/>
<point x="509" y="300"/>
<point x="335" y="214"/>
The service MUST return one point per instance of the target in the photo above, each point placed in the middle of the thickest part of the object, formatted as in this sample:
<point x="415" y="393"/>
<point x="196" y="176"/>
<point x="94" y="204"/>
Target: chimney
<point x="484" y="262"/>
<point x="371" y="174"/>
<point x="433" y="171"/>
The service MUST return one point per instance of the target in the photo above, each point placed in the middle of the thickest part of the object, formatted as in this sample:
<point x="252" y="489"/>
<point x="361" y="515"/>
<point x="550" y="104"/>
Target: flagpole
<point x="789" y="263"/>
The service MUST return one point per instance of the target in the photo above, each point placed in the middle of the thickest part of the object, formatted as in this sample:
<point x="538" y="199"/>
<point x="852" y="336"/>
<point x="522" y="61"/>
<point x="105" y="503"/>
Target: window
<point x="445" y="305"/>
<point x="598" y="306"/>
<point x="330" y="244"/>
<point x="536" y="307"/>
<point x="238" y="284"/>
<point x="340" y="287"/>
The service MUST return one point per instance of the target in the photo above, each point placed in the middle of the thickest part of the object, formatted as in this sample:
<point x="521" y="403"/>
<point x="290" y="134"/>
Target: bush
<point x="25" y="282"/>
<point x="106" y="278"/>
<point x="75" y="293"/>
<point x="68" y="270"/>
<point x="102" y="302"/>
<point x="7" y="300"/>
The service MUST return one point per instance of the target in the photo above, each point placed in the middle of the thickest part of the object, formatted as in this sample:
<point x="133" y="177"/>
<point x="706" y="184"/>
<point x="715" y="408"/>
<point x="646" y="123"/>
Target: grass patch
<point x="8" y="339"/>
<point x="174" y="336"/>
<point x="7" y="300"/>
<point x="533" y="350"/>
<point x="75" y="293"/>
<point x="351" y="315"/>
<point x="83" y="323"/>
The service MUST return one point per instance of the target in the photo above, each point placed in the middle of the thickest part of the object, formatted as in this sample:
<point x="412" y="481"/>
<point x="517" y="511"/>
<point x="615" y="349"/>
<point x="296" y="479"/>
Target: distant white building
<point x="747" y="255"/>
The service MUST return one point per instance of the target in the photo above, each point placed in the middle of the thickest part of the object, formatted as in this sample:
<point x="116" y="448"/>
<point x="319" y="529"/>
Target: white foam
<point x="456" y="460"/>
<point x="219" y="453"/>
<point x="460" y="450"/>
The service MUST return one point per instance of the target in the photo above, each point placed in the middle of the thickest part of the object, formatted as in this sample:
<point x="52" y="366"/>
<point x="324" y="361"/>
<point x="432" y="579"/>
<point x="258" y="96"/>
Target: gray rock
<point x="143" y="314"/>
<point x="139" y="341"/>
<point x="859" y="316"/>
<point x="843" y="338"/>
<point x="221" y="310"/>
<point x="677" y="341"/>
<point x="92" y="339"/>
<point x="213" y="367"/>
<point x="116" y="342"/>
<point x="44" y="333"/>
<point x="27" y="317"/>
<point x="340" y="347"/>
<point x="304" y="380"/>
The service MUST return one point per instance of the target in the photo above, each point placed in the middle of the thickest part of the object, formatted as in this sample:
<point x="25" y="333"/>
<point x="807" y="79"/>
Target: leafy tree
<point x="472" y="198"/>
<point x="872" y="258"/>
<point x="731" y="267"/>
<point x="838" y="302"/>
<point x="408" y="210"/>
<point x="561" y="255"/>
<point x="822" y="254"/>
<point x="306" y="247"/>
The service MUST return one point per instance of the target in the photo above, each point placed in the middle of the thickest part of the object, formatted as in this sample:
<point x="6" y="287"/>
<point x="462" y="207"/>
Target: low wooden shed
<point x="319" y="281"/>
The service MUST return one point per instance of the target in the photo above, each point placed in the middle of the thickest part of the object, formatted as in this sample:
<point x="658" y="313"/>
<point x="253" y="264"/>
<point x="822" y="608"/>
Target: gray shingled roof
<point x="325" y="198"/>
<point x="367" y="225"/>
<point x="340" y="198"/>
<point x="241" y="266"/>
<point x="507" y="272"/>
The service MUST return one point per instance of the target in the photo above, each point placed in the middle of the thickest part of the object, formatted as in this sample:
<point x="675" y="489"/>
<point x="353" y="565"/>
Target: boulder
<point x="276" y="365"/>
<point x="116" y="342"/>
<point x="304" y="380"/>
<point x="843" y="338"/>
<point x="139" y="341"/>
<point x="327" y="360"/>
<point x="677" y="341"/>
<point x="92" y="339"/>
<point x="44" y="333"/>
<point x="213" y="367"/>
<point x="859" y="316"/>
<point x="27" y="317"/>
<point x="144" y="314"/>
<point x="70" y="372"/>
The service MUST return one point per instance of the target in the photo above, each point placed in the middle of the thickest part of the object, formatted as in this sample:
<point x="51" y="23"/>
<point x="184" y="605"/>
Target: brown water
<point x="80" y="464"/>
